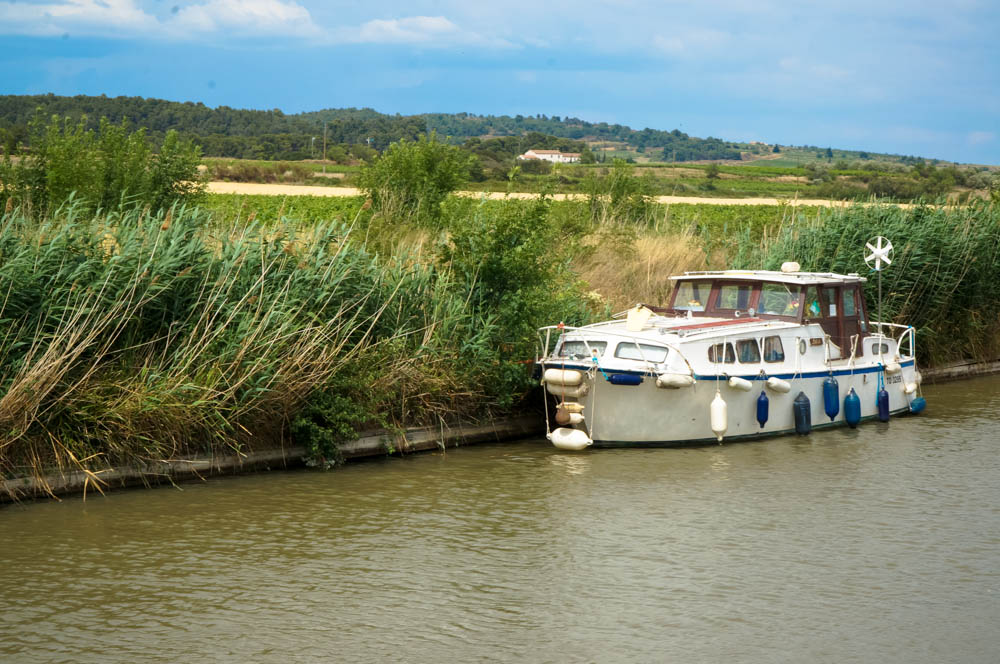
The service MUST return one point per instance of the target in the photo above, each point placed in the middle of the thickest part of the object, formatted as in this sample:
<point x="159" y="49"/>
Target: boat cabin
<point x="834" y="301"/>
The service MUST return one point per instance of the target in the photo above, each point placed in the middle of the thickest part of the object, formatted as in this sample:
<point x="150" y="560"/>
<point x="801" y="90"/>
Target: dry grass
<point x="624" y="273"/>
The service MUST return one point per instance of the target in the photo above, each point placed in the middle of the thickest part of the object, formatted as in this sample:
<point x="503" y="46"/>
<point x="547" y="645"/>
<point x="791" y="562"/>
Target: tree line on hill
<point x="273" y="134"/>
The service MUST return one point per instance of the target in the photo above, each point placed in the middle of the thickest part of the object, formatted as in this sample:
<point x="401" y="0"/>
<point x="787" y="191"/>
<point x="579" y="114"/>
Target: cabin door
<point x="852" y="319"/>
<point x="823" y="305"/>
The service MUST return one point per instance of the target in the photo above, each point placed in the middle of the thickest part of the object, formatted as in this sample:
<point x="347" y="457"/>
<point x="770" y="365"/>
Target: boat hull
<point x="644" y="415"/>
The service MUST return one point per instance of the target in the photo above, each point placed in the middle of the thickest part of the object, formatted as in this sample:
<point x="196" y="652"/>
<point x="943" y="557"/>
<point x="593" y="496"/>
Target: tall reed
<point x="134" y="337"/>
<point x="944" y="279"/>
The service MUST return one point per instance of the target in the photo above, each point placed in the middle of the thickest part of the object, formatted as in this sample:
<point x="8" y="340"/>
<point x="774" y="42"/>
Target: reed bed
<point x="131" y="337"/>
<point x="944" y="279"/>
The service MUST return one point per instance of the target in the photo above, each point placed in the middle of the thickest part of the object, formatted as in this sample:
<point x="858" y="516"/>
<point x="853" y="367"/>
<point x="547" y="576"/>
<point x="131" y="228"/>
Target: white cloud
<point x="245" y="17"/>
<point x="90" y="17"/>
<point x="411" y="30"/>
<point x="427" y="31"/>
<point x="125" y="19"/>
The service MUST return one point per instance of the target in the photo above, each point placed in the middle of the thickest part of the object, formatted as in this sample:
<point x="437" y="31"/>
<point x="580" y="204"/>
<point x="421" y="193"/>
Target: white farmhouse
<point x="554" y="156"/>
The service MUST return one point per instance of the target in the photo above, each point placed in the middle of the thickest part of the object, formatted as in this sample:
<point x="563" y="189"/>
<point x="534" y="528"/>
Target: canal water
<point x="880" y="544"/>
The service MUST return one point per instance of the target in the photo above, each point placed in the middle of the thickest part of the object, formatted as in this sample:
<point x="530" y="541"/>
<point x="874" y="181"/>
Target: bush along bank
<point x="132" y="337"/>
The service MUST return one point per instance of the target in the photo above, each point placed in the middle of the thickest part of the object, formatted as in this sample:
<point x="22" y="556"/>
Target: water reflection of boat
<point x="733" y="355"/>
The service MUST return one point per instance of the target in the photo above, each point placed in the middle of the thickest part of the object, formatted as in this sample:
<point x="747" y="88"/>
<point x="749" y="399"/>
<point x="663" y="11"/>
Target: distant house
<point x="554" y="156"/>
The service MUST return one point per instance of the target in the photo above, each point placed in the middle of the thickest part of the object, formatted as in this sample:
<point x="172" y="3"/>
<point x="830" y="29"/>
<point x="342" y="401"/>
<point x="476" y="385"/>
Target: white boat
<point x="734" y="355"/>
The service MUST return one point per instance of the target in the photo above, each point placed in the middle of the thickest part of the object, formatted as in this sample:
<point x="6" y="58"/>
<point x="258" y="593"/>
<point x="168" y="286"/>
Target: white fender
<point x="778" y="385"/>
<point x="567" y="377"/>
<point x="892" y="367"/>
<point x="568" y="392"/>
<point x="570" y="439"/>
<point x="909" y="388"/>
<point x="917" y="378"/>
<point x="738" y="383"/>
<point x="719" y="416"/>
<point x="673" y="381"/>
<point x="576" y="418"/>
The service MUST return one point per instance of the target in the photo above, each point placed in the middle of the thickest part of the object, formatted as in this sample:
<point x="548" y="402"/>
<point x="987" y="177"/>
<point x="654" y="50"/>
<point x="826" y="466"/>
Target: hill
<point x="273" y="134"/>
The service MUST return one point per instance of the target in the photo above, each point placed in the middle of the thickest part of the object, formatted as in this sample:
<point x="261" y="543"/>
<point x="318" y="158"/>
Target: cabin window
<point x="641" y="352"/>
<point x="734" y="296"/>
<point x="692" y="295"/>
<point x="830" y="296"/>
<point x="814" y="309"/>
<point x="779" y="300"/>
<point x="850" y="306"/>
<point x="880" y="349"/>
<point x="773" y="352"/>
<point x="748" y="351"/>
<point x="578" y="348"/>
<point x="715" y="354"/>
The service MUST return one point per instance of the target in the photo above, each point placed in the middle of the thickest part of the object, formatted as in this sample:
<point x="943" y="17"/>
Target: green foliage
<point x="508" y="264"/>
<point x="103" y="169"/>
<point x="327" y="420"/>
<point x="413" y="178"/>
<point x="619" y="194"/>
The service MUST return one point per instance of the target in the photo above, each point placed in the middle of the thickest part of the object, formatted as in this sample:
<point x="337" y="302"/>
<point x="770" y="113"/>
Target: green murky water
<point x="875" y="545"/>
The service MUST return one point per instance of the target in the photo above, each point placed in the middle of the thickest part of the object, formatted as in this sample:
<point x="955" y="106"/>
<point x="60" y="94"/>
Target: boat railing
<point x="906" y="335"/>
<point x="637" y="340"/>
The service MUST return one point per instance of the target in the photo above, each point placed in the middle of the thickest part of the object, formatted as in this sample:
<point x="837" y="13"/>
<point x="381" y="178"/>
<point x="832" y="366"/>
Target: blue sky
<point x="907" y="77"/>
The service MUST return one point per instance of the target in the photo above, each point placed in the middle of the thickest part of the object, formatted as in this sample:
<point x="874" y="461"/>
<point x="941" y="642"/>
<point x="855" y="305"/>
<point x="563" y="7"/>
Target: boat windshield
<point x="692" y="295"/>
<point x="779" y="299"/>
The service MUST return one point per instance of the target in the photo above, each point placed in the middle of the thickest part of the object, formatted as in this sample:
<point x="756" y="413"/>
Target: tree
<point x="829" y="153"/>
<point x="712" y="172"/>
<point x="413" y="178"/>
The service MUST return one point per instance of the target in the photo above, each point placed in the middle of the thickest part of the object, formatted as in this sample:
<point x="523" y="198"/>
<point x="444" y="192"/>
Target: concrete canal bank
<point x="166" y="472"/>
<point x="959" y="370"/>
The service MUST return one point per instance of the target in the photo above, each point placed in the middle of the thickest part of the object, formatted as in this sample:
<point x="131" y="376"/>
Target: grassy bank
<point x="131" y="337"/>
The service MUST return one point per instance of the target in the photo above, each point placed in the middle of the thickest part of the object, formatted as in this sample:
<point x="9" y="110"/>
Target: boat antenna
<point x="880" y="256"/>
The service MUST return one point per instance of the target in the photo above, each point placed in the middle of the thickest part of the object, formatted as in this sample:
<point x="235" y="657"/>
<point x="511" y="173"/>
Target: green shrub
<point x="510" y="263"/>
<point x="412" y="178"/>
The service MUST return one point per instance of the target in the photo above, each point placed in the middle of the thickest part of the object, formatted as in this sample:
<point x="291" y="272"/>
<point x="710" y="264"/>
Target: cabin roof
<point x="802" y="278"/>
